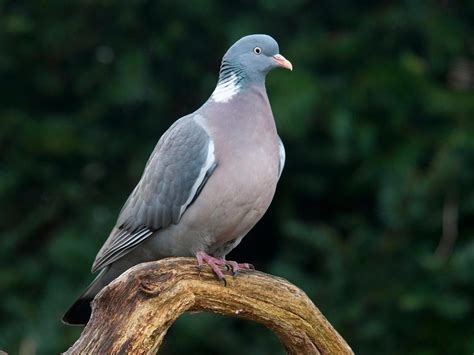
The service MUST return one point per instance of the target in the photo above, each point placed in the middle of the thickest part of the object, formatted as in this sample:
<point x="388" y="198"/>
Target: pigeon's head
<point x="254" y="56"/>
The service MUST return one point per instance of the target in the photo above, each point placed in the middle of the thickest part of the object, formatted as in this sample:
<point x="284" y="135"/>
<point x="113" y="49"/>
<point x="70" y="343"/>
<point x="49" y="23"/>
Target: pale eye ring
<point x="257" y="50"/>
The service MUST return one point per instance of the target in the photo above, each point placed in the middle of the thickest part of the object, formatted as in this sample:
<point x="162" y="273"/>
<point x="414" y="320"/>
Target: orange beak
<point x="282" y="61"/>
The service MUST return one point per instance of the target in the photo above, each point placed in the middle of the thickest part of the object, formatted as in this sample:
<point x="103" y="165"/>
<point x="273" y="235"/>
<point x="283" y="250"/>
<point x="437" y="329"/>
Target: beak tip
<point x="283" y="62"/>
<point x="288" y="65"/>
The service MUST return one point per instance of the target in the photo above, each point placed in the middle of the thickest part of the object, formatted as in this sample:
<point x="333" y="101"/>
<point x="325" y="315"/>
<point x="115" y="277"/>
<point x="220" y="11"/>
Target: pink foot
<point x="214" y="264"/>
<point x="236" y="267"/>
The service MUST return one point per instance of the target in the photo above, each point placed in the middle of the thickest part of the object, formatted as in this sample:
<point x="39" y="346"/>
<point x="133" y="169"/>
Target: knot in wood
<point x="153" y="283"/>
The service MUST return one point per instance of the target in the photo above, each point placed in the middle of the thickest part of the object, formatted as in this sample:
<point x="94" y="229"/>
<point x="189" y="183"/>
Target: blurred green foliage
<point x="373" y="216"/>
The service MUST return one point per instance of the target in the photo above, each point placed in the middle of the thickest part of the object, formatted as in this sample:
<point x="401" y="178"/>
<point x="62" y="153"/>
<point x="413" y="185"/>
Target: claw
<point x="236" y="267"/>
<point x="248" y="266"/>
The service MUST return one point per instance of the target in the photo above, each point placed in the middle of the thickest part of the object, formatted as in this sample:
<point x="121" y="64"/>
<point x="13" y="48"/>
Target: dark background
<point x="373" y="216"/>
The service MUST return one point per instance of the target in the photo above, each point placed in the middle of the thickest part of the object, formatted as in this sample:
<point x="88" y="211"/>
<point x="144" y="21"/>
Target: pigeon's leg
<point x="213" y="262"/>
<point x="236" y="267"/>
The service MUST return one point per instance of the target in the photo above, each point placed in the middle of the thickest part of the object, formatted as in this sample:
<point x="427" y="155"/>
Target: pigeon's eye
<point x="257" y="50"/>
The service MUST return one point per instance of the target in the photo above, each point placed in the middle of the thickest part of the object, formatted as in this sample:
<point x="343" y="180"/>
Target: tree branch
<point x="133" y="313"/>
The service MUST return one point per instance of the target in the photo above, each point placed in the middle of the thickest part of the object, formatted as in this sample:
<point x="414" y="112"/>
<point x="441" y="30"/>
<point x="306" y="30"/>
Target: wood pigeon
<point x="209" y="180"/>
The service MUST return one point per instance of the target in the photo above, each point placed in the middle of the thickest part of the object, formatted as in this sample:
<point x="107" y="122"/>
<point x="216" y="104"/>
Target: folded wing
<point x="174" y="175"/>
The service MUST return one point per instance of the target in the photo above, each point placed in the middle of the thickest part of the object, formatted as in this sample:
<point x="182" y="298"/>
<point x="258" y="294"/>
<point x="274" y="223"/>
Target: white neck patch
<point x="226" y="89"/>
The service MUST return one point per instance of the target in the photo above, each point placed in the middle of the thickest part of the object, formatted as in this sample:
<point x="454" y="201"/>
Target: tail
<point x="80" y="312"/>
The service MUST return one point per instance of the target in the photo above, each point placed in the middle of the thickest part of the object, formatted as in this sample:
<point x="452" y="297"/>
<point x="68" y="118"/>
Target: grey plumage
<point x="210" y="178"/>
<point x="177" y="169"/>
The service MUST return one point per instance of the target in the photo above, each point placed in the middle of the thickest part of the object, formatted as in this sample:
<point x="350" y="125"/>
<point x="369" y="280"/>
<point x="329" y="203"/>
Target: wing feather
<point x="177" y="170"/>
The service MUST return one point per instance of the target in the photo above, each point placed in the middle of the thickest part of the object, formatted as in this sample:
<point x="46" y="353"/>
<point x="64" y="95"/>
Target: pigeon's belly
<point x="246" y="195"/>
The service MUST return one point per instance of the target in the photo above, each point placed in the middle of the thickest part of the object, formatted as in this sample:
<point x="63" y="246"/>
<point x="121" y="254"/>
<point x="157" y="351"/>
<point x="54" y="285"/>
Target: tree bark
<point x="133" y="313"/>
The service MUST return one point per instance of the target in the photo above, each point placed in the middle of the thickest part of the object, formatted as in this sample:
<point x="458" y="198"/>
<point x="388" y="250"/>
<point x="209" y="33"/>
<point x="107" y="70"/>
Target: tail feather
<point x="80" y="312"/>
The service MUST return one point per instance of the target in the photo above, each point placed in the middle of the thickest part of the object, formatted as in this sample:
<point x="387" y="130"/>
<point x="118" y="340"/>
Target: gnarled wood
<point x="133" y="313"/>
